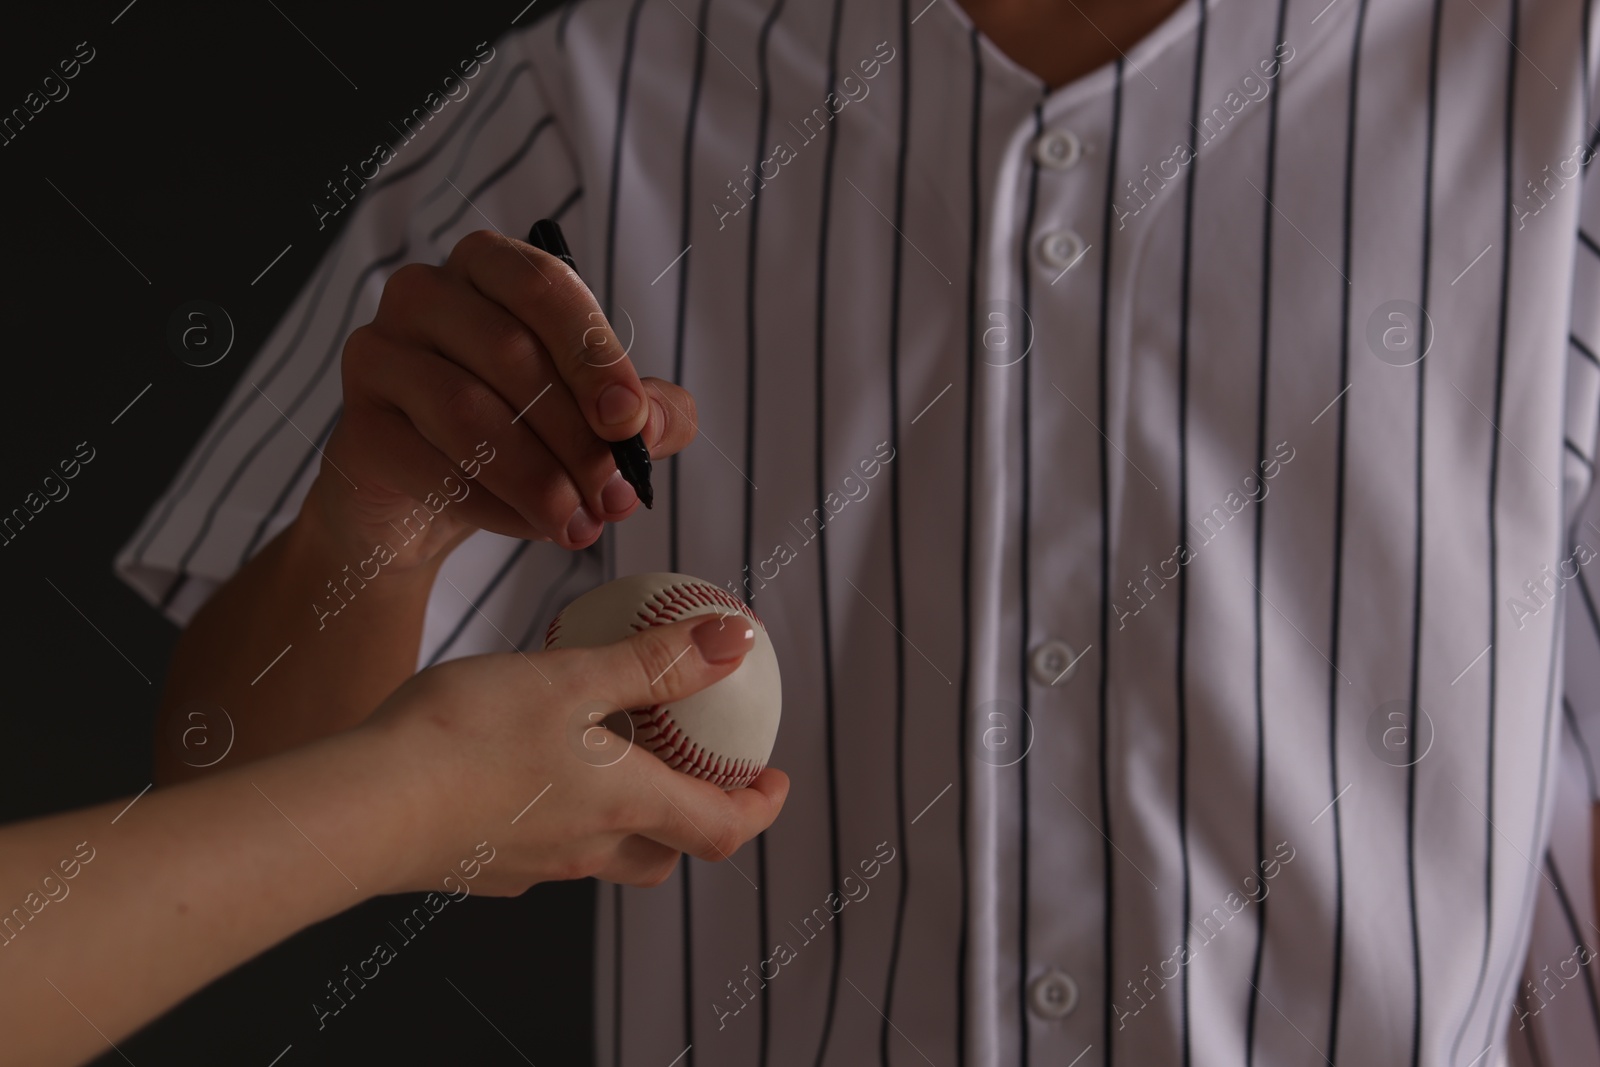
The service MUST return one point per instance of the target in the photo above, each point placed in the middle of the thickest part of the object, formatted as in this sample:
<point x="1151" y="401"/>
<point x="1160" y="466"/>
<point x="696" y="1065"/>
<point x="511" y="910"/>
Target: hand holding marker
<point x="632" y="455"/>
<point x="500" y="352"/>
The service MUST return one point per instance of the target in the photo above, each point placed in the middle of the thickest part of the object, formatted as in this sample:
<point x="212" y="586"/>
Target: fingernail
<point x="724" y="638"/>
<point x="618" y="495"/>
<point x="582" y="527"/>
<point x="618" y="404"/>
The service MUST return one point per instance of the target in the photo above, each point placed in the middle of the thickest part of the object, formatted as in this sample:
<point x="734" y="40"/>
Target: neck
<point x="1060" y="43"/>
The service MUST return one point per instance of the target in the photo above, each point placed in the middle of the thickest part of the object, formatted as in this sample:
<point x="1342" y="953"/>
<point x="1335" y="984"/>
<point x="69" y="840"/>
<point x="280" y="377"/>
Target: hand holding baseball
<point x="472" y="742"/>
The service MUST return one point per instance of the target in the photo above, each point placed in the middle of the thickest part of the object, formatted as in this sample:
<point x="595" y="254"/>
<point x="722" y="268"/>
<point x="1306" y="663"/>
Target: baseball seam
<point x="671" y="745"/>
<point x="665" y="738"/>
<point x="676" y="601"/>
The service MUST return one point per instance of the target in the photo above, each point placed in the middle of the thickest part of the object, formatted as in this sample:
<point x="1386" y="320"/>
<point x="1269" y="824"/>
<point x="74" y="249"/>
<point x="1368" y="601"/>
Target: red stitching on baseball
<point x="668" y="742"/>
<point x="677" y="601"/>
<point x="554" y="629"/>
<point x="665" y="738"/>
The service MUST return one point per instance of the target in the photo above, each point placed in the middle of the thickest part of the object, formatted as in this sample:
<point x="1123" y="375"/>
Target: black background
<point x="195" y="141"/>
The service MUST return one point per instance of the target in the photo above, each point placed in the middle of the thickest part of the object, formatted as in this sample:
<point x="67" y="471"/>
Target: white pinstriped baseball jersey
<point x="1185" y="681"/>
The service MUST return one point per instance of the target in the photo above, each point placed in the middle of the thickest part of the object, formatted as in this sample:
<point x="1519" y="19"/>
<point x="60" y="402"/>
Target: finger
<point x="674" y="420"/>
<point x="455" y="412"/>
<point x="639" y="861"/>
<point x="701" y="820"/>
<point x="558" y="307"/>
<point x="665" y="663"/>
<point x="451" y="317"/>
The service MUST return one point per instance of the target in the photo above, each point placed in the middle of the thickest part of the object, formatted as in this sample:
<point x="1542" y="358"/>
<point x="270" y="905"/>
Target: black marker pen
<point x="632" y="455"/>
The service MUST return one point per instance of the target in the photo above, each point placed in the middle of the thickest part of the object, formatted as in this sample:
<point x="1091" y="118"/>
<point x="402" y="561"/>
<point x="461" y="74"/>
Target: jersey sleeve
<point x="1561" y="932"/>
<point x="490" y="153"/>
<point x="1581" y="684"/>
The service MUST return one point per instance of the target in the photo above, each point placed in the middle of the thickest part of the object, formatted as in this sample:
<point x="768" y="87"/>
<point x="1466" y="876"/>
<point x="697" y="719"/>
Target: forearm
<point x="299" y="644"/>
<point x="185" y="885"/>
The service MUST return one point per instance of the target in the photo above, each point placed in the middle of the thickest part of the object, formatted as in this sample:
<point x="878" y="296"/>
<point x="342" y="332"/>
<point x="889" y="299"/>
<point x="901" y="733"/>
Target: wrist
<point x="340" y="534"/>
<point x="416" y="797"/>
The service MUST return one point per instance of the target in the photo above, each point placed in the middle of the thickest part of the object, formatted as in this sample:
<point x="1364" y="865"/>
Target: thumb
<point x="673" y="421"/>
<point x="664" y="663"/>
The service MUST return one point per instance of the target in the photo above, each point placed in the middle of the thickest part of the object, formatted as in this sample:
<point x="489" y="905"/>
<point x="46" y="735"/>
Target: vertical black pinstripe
<point x="753" y="259"/>
<point x="1494" y="529"/>
<point x="1024" y="613"/>
<point x="817" y="466"/>
<point x="608" y="300"/>
<point x="974" y="231"/>
<point x="616" y="974"/>
<point x="1583" y="59"/>
<point x="1582" y="746"/>
<point x="684" y="232"/>
<point x="896" y="575"/>
<point x="685" y="877"/>
<point x="1267" y="213"/>
<point x="1183" y="511"/>
<point x="1416" y="590"/>
<point x="1577" y="937"/>
<point x="1336" y="981"/>
<point x="1108" y="900"/>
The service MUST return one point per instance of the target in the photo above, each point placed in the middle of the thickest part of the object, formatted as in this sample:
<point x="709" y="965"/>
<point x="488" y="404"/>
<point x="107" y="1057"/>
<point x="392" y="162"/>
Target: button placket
<point x="1053" y="995"/>
<point x="1058" y="249"/>
<point x="1052" y="661"/>
<point x="1058" y="149"/>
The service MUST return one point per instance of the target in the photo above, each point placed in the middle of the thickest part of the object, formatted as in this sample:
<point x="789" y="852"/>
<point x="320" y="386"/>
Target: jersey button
<point x="1052" y="995"/>
<point x="1051" y="662"/>
<point x="1059" y="249"/>
<point x="1057" y="149"/>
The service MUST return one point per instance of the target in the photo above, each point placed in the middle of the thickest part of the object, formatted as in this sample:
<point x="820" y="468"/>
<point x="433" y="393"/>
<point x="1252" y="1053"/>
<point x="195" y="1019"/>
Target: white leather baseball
<point x="724" y="733"/>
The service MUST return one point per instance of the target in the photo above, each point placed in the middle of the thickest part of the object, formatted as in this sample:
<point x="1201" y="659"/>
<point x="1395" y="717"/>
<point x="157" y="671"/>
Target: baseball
<point x="723" y="734"/>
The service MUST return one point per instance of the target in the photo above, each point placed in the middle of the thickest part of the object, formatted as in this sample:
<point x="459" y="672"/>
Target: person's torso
<point x="1115" y="469"/>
